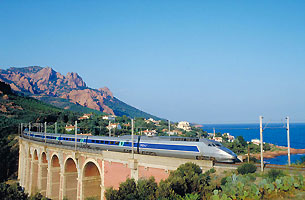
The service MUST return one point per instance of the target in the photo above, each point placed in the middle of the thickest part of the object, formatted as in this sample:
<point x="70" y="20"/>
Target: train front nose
<point x="230" y="155"/>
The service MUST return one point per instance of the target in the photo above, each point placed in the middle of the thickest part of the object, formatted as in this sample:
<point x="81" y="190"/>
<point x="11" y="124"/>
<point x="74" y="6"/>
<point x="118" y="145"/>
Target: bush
<point x="273" y="174"/>
<point x="187" y="179"/>
<point x="246" y="168"/>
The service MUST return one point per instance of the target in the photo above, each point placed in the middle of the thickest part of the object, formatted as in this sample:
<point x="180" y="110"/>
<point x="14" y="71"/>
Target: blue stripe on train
<point x="143" y="145"/>
<point x="169" y="147"/>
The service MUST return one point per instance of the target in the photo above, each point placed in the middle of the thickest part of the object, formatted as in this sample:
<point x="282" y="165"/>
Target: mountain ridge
<point x="40" y="82"/>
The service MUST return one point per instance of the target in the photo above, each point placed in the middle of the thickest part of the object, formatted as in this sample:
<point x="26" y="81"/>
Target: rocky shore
<point x="282" y="151"/>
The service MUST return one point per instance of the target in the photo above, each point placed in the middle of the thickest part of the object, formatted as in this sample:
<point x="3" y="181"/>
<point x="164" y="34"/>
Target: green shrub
<point x="273" y="174"/>
<point x="246" y="168"/>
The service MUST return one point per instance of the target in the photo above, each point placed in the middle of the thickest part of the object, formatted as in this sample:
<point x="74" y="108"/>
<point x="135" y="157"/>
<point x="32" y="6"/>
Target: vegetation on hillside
<point x="120" y="108"/>
<point x="15" y="109"/>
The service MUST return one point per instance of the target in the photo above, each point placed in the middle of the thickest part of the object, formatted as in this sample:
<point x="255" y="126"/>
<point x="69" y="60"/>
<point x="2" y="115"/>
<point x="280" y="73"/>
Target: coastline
<point x="282" y="151"/>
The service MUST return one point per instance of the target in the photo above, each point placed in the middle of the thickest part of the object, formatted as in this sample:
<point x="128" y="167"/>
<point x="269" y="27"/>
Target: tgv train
<point x="180" y="147"/>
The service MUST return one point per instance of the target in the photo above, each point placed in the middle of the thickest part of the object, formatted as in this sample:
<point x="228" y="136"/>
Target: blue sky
<point x="200" y="61"/>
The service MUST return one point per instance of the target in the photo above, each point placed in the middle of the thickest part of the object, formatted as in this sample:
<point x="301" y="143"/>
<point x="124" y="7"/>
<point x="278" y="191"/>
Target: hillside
<point x="68" y="92"/>
<point x="16" y="109"/>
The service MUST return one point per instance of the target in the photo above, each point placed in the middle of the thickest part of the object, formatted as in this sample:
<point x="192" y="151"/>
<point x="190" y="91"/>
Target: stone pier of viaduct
<point x="60" y="172"/>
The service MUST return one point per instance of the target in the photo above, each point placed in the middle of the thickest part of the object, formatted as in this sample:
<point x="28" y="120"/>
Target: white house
<point x="184" y="125"/>
<point x="85" y="116"/>
<point x="114" y="125"/>
<point x="109" y="117"/>
<point x="150" y="132"/>
<point x="231" y="138"/>
<point x="217" y="139"/>
<point x="256" y="141"/>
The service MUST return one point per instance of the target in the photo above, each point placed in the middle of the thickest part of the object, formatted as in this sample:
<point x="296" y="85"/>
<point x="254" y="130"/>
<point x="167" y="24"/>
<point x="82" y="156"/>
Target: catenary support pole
<point x="75" y="127"/>
<point x="248" y="153"/>
<point x="169" y="126"/>
<point x="109" y="128"/>
<point x="55" y="127"/>
<point x="261" y="140"/>
<point x="45" y="132"/>
<point x="30" y="128"/>
<point x="132" y="152"/>
<point x="288" y="141"/>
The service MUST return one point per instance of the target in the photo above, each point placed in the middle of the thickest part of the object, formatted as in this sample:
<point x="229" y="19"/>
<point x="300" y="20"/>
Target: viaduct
<point x="60" y="172"/>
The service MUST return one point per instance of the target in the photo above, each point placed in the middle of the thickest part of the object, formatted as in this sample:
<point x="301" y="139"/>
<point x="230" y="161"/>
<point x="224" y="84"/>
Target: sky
<point x="198" y="61"/>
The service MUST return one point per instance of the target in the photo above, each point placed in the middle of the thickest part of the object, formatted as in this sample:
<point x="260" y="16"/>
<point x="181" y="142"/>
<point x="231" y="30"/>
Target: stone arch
<point x="54" y="177"/>
<point x="34" y="186"/>
<point x="70" y="178"/>
<point x="42" y="184"/>
<point x="91" y="179"/>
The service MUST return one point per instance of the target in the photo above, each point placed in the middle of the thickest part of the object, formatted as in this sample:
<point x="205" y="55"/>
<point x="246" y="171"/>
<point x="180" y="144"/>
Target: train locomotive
<point x="169" y="146"/>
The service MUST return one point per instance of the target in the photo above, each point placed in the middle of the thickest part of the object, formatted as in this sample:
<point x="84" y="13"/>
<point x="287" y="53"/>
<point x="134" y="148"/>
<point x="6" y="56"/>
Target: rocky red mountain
<point x="45" y="82"/>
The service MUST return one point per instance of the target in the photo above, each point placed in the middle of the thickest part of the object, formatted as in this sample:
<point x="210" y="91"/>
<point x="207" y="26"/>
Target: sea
<point x="274" y="133"/>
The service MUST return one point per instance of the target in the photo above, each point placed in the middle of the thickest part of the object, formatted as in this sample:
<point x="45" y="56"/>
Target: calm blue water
<point x="273" y="133"/>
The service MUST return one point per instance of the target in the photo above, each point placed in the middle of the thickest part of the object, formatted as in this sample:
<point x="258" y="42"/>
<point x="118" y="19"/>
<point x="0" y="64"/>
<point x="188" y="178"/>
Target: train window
<point x="106" y="142"/>
<point x="117" y="143"/>
<point x="209" y="145"/>
<point x="102" y="142"/>
<point x="111" y="142"/>
<point x="78" y="140"/>
<point x="218" y="145"/>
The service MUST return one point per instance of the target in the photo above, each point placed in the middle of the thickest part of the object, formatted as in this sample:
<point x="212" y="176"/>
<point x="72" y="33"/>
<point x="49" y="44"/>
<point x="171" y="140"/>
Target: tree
<point x="146" y="189"/>
<point x="187" y="179"/>
<point x="242" y="141"/>
<point x="128" y="190"/>
<point x="111" y="194"/>
<point x="12" y="192"/>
